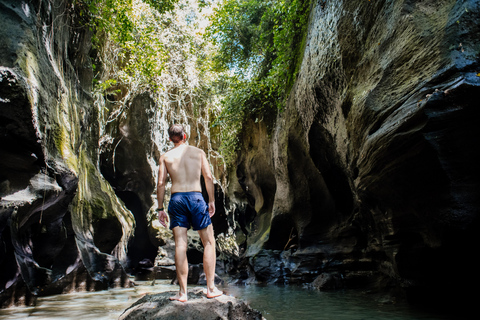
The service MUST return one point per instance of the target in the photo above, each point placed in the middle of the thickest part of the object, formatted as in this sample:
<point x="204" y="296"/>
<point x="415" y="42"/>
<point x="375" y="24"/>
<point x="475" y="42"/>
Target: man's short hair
<point x="176" y="133"/>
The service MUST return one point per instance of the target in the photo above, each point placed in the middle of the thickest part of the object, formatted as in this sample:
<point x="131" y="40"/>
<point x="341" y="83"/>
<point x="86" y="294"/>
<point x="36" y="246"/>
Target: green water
<point x="292" y="302"/>
<point x="273" y="302"/>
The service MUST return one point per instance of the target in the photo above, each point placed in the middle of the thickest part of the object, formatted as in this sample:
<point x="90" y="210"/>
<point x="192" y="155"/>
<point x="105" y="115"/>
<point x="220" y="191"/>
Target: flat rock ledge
<point x="198" y="307"/>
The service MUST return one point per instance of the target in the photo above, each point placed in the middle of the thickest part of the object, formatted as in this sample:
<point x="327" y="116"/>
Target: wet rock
<point x="267" y="266"/>
<point x="165" y="272"/>
<point x="194" y="272"/>
<point x="328" y="281"/>
<point x="166" y="253"/>
<point x="202" y="280"/>
<point x="145" y="270"/>
<point x="124" y="162"/>
<point x="198" y="307"/>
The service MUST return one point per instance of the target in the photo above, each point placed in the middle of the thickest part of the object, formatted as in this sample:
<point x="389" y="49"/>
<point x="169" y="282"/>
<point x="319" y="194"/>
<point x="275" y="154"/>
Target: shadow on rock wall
<point x="124" y="164"/>
<point x="373" y="161"/>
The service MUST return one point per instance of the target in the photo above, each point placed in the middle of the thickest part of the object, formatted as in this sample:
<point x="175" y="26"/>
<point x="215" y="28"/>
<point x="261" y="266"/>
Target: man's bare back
<point x="184" y="164"/>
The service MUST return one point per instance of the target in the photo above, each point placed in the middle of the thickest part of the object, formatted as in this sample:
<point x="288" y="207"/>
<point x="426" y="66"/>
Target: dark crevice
<point x="283" y="234"/>
<point x="326" y="161"/>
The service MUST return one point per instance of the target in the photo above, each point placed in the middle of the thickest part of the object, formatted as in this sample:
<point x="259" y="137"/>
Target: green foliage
<point x="108" y="17"/>
<point x="162" y="6"/>
<point x="260" y="39"/>
<point x="107" y="84"/>
<point x="156" y="45"/>
<point x="259" y="49"/>
<point x="140" y="47"/>
<point x="125" y="23"/>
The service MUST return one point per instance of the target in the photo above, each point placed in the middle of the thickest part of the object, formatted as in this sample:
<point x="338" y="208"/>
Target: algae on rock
<point x="52" y="235"/>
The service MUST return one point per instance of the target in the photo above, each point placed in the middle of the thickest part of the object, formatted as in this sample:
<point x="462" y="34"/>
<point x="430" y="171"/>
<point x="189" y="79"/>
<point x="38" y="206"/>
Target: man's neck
<point x="179" y="144"/>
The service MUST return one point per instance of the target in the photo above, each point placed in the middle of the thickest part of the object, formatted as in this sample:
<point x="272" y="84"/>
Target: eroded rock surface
<point x="54" y="205"/>
<point x="197" y="307"/>
<point x="373" y="161"/>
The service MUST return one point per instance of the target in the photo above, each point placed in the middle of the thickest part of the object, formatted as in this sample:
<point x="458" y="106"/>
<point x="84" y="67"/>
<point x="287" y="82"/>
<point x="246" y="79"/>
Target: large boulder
<point x="198" y="307"/>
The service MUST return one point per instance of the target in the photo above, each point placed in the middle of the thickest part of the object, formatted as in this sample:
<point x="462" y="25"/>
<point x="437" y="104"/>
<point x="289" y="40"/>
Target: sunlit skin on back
<point x="184" y="164"/>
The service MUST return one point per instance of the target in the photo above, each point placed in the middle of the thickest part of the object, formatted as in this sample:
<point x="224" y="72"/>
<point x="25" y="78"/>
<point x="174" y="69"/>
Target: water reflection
<point x="275" y="303"/>
<point x="292" y="302"/>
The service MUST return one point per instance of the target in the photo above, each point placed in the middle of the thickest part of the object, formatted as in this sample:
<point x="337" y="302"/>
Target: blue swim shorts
<point x="188" y="209"/>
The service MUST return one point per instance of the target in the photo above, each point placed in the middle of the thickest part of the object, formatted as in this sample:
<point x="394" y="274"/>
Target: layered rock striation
<point x="369" y="174"/>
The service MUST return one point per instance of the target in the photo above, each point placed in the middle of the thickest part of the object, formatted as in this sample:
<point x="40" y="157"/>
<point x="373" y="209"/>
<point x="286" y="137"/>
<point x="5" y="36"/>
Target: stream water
<point x="274" y="302"/>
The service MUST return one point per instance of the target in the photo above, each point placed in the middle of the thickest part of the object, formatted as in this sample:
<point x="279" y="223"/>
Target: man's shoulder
<point x="167" y="154"/>
<point x="199" y="152"/>
<point x="195" y="149"/>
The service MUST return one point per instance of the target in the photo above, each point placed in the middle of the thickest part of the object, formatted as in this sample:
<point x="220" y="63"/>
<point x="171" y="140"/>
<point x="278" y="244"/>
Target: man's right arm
<point x="208" y="177"/>
<point x="162" y="179"/>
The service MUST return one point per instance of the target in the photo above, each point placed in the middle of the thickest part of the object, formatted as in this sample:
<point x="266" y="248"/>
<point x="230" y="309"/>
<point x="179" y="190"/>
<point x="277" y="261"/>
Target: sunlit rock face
<point x="370" y="173"/>
<point x="55" y="205"/>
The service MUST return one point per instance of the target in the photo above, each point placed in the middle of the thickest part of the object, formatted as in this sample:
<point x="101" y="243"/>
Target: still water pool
<point x="275" y="303"/>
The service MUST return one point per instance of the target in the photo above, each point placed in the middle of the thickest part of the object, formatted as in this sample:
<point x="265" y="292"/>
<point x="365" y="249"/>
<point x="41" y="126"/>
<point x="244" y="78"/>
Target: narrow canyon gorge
<point x="366" y="179"/>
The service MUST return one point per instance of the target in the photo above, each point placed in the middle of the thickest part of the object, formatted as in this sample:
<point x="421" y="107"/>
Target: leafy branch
<point x="259" y="52"/>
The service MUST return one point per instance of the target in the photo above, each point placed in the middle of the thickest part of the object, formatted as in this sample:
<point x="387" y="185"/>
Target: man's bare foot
<point x="213" y="293"/>
<point x="182" y="297"/>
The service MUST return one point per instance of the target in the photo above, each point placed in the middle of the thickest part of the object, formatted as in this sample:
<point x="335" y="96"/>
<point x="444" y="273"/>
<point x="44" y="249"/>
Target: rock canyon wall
<point x="369" y="177"/>
<point x="62" y="226"/>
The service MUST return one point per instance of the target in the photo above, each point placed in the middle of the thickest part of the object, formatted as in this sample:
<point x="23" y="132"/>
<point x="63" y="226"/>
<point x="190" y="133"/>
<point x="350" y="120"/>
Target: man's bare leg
<point x="181" y="262"/>
<point x="209" y="260"/>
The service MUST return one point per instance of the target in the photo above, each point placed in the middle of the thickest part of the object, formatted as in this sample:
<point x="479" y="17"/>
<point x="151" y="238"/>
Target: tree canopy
<point x="247" y="57"/>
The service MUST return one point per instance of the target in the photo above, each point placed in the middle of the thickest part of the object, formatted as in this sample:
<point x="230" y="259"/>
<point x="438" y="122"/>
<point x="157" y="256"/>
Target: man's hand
<point x="163" y="218"/>
<point x="211" y="208"/>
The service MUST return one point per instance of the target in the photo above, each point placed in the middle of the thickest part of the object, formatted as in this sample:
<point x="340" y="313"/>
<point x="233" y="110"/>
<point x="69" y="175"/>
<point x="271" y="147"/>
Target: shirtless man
<point x="187" y="208"/>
